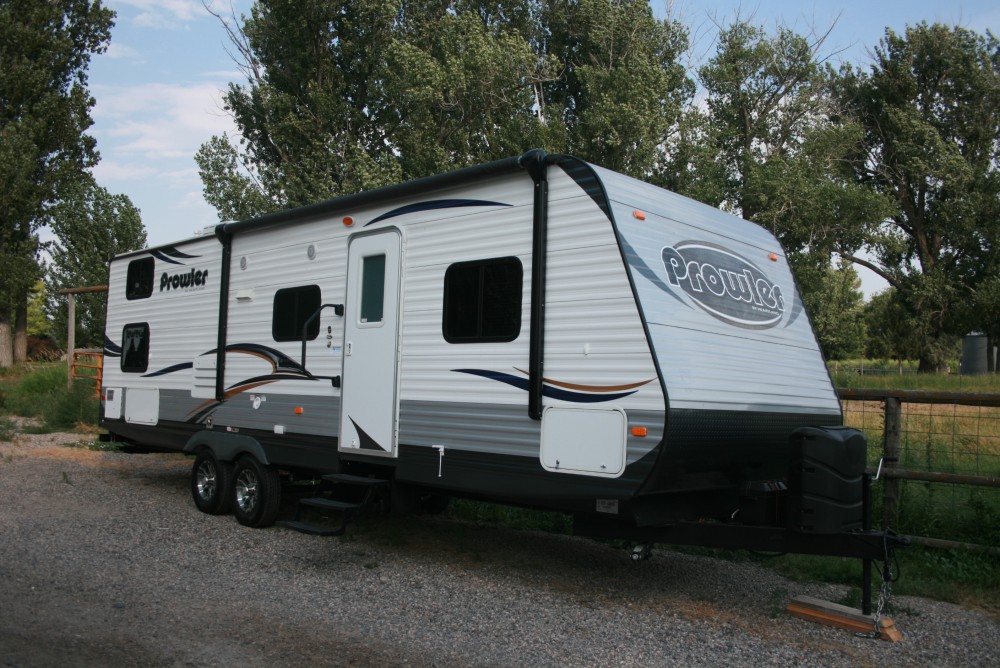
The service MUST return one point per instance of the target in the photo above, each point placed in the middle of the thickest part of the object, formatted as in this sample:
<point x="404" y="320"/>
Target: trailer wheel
<point x="256" y="493"/>
<point x="212" y="483"/>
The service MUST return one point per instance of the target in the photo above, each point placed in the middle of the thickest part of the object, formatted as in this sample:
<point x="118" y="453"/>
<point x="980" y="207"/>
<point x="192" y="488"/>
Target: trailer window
<point x="482" y="301"/>
<point x="135" y="347"/>
<point x="139" y="280"/>
<point x="372" y="289"/>
<point x="292" y="307"/>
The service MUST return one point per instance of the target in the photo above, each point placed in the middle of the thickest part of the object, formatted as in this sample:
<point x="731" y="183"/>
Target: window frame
<point x="450" y="297"/>
<point x="300" y="318"/>
<point x="140" y="263"/>
<point x="132" y="368"/>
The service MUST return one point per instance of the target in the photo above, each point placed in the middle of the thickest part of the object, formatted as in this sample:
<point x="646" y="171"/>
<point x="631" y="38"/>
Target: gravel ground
<point x="104" y="560"/>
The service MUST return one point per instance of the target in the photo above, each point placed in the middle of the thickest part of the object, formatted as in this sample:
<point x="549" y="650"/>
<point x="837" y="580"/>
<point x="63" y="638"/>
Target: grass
<point x="39" y="391"/>
<point x="7" y="429"/>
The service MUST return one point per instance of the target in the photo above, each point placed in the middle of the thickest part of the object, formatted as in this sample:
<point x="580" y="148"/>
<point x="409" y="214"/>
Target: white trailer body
<point x="536" y="330"/>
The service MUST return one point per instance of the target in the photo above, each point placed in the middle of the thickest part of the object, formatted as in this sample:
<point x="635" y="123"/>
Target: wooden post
<point x="70" y="339"/>
<point x="71" y="294"/>
<point x="890" y="459"/>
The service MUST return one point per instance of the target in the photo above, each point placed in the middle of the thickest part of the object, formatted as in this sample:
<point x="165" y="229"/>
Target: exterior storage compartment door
<point x="142" y="405"/>
<point x="584" y="441"/>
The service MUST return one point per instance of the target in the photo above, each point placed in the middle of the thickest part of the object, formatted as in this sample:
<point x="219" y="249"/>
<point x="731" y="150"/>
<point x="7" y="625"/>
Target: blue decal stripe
<point x="521" y="383"/>
<point x="169" y="369"/>
<point x="637" y="263"/>
<point x="111" y="349"/>
<point x="432" y="205"/>
<point x="160" y="256"/>
<point x="173" y="252"/>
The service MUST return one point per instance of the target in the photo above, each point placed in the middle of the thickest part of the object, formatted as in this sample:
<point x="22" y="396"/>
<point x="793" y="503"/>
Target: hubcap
<point x="206" y="480"/>
<point x="246" y="490"/>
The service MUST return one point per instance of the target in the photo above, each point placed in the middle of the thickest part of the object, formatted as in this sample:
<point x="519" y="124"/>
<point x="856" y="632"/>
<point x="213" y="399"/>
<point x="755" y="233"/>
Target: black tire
<point x="212" y="484"/>
<point x="256" y="493"/>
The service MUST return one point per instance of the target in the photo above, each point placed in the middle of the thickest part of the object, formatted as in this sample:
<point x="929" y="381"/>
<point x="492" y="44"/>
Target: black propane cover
<point x="825" y="479"/>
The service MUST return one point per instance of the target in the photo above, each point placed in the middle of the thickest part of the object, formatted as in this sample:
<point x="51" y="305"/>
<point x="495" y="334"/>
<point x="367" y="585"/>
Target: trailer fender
<point x="226" y="447"/>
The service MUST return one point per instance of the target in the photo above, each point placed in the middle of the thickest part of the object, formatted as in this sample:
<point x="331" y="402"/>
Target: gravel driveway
<point x="104" y="560"/>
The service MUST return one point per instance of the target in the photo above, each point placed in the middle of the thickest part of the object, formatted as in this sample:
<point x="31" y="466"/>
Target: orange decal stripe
<point x="592" y="388"/>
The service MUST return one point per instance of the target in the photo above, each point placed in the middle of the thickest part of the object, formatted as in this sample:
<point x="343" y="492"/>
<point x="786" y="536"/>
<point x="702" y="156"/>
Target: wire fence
<point x="939" y="459"/>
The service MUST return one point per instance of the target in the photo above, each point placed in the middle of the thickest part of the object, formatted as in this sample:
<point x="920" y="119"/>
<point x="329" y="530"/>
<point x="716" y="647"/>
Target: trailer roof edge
<point x="458" y="176"/>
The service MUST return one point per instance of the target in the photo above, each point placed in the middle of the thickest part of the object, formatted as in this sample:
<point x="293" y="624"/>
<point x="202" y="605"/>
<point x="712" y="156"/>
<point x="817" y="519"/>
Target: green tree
<point x="835" y="305"/>
<point x="39" y="323"/>
<point x="622" y="88"/>
<point x="344" y="96"/>
<point x="893" y="333"/>
<point x="91" y="226"/>
<point x="930" y="109"/>
<point x="45" y="49"/>
<point x="465" y="87"/>
<point x="310" y="111"/>
<point x="770" y="144"/>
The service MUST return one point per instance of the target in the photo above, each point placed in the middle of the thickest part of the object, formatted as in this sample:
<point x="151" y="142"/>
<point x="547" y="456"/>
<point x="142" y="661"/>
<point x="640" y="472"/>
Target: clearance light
<point x="638" y="215"/>
<point x="348" y="221"/>
<point x="773" y="257"/>
<point x="299" y="410"/>
<point x="639" y="432"/>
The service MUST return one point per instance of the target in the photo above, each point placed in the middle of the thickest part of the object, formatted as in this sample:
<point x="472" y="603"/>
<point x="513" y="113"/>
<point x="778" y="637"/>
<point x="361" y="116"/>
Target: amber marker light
<point x="348" y="221"/>
<point x="773" y="257"/>
<point x="299" y="410"/>
<point x="639" y="432"/>
<point x="638" y="215"/>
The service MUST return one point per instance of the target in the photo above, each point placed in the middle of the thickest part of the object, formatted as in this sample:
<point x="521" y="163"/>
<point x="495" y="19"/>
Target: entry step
<point x="349" y="479"/>
<point x="330" y="504"/>
<point x="312" y="529"/>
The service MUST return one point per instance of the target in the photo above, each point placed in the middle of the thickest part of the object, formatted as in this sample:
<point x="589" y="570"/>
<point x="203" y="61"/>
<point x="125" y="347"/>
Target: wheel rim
<point x="206" y="480"/>
<point x="246" y="490"/>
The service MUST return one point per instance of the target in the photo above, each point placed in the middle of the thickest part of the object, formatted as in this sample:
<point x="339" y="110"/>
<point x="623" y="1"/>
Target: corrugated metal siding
<point x="182" y="324"/>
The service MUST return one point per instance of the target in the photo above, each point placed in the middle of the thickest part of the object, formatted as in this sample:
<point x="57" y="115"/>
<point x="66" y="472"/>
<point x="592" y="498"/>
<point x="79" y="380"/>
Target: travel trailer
<point x="535" y="331"/>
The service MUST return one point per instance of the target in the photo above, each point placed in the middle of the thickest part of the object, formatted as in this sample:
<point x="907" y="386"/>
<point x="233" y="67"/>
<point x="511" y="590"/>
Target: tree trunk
<point x="6" y="340"/>
<point x="21" y="331"/>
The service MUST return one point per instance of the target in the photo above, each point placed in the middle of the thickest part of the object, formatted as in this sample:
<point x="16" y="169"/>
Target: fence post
<point x="70" y="339"/>
<point x="890" y="459"/>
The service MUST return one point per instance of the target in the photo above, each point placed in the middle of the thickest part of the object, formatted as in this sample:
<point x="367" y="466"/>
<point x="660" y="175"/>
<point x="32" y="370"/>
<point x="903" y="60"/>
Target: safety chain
<point x="884" y="593"/>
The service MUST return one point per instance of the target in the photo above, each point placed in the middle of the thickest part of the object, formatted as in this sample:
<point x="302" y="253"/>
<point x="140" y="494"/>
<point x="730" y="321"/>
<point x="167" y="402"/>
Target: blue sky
<point x="158" y="87"/>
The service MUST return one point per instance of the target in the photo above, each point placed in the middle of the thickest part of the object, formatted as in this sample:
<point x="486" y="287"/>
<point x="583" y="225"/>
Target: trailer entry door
<point x="369" y="399"/>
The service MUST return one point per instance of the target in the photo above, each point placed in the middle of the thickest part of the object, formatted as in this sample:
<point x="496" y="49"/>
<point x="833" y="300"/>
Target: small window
<point x="292" y="307"/>
<point x="482" y="301"/>
<point x="135" y="347"/>
<point x="372" y="289"/>
<point x="139" y="281"/>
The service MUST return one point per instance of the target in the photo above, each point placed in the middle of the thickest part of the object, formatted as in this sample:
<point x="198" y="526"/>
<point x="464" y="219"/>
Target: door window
<point x="372" y="289"/>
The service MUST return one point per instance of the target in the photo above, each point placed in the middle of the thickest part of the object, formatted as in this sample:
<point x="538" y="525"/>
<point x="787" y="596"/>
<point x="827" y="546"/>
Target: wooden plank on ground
<point x="841" y="617"/>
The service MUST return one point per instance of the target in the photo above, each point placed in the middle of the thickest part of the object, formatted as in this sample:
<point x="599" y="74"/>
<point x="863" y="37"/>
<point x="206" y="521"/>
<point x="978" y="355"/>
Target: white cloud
<point x="159" y="121"/>
<point x="164" y="13"/>
<point x="110" y="170"/>
<point x="172" y="14"/>
<point x="118" y="51"/>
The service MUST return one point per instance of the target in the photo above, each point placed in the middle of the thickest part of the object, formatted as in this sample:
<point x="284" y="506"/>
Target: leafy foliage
<point x="91" y="226"/>
<point x="930" y="112"/>
<point x="45" y="48"/>
<point x="771" y="146"/>
<point x="834" y="303"/>
<point x="346" y="96"/>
